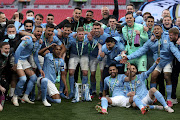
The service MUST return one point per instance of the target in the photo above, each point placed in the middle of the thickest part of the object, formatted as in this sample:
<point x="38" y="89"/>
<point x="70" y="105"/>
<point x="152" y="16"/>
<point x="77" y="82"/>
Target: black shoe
<point x="8" y="98"/>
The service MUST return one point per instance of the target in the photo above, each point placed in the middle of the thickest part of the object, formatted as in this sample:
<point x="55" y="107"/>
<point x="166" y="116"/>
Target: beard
<point x="113" y="74"/>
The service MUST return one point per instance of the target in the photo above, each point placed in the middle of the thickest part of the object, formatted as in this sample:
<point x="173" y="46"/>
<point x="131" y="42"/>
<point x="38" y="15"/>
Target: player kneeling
<point x="53" y="64"/>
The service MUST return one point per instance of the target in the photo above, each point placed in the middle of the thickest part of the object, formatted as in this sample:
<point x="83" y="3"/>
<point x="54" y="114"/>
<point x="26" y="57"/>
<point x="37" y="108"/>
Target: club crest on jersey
<point x="101" y="41"/>
<point x="117" y="82"/>
<point x="165" y="41"/>
<point x="138" y="82"/>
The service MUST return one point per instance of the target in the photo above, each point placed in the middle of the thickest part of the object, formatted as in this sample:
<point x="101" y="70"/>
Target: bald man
<point x="105" y="13"/>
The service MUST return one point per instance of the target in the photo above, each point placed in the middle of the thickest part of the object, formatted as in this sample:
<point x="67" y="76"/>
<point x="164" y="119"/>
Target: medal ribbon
<point x="130" y="40"/>
<point x="77" y="47"/>
<point x="111" y="89"/>
<point x="134" y="85"/>
<point x="159" y="47"/>
<point x="59" y="63"/>
<point x="34" y="50"/>
<point x="75" y="28"/>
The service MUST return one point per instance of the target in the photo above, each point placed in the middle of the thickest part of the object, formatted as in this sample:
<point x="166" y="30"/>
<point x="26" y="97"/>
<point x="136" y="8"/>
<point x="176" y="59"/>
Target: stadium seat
<point x="69" y="6"/>
<point x="35" y="6"/>
<point x="107" y="2"/>
<point x="8" y="12"/>
<point x="46" y="6"/>
<point x="93" y="6"/>
<point x="51" y="2"/>
<point x="7" y="2"/>
<point x="58" y="6"/>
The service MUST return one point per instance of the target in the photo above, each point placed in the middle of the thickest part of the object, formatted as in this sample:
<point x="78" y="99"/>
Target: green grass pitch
<point x="82" y="111"/>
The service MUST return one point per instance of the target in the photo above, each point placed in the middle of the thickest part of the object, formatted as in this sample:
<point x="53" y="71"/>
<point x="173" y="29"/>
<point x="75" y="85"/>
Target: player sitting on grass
<point x="137" y="84"/>
<point x="114" y="83"/>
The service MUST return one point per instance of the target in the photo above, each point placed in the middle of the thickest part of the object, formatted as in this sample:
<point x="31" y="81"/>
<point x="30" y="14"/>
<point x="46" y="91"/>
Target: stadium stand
<point x="6" y="2"/>
<point x="107" y="2"/>
<point x="9" y="12"/>
<point x="51" y="2"/>
<point x="61" y="14"/>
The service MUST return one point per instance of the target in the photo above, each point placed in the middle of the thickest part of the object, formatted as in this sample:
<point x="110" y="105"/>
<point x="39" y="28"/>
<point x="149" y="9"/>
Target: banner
<point x="156" y="7"/>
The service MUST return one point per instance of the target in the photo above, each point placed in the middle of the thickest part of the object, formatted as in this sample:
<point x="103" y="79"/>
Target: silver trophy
<point x="81" y="92"/>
